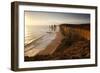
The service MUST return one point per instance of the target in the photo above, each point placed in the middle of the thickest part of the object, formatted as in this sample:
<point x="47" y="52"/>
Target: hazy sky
<point x="49" y="18"/>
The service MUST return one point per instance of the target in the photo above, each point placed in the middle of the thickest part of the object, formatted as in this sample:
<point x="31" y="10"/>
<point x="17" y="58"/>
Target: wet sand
<point x="39" y="45"/>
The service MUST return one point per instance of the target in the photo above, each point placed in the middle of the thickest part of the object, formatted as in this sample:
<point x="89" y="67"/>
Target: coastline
<point x="58" y="49"/>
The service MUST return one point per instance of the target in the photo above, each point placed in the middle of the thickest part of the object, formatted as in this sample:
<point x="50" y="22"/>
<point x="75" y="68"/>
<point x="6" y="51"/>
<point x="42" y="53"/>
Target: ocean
<point x="33" y="32"/>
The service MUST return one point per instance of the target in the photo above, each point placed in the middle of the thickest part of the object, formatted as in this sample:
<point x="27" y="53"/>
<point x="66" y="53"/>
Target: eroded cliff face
<point x="75" y="43"/>
<point x="76" y="29"/>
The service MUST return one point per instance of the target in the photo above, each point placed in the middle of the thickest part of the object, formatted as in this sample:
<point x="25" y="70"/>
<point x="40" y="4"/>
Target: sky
<point x="51" y="18"/>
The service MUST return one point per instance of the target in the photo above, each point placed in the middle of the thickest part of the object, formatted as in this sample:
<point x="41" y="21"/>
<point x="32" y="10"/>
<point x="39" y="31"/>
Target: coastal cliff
<point x="72" y="42"/>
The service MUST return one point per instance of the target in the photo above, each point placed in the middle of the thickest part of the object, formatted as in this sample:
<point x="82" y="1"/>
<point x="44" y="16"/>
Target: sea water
<point x="33" y="32"/>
